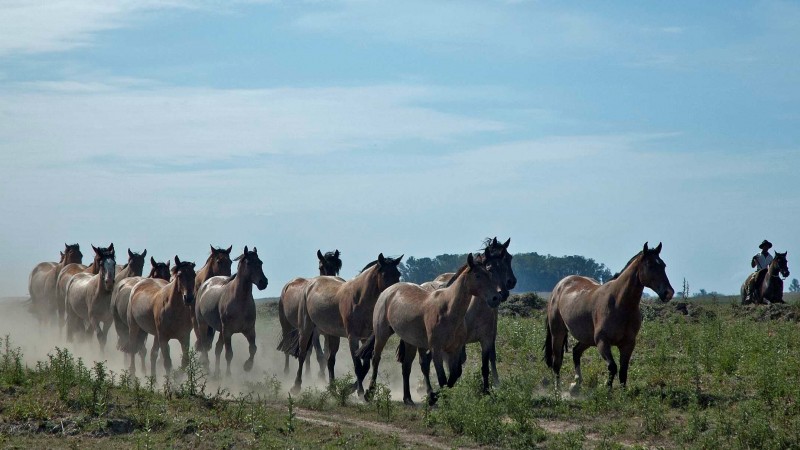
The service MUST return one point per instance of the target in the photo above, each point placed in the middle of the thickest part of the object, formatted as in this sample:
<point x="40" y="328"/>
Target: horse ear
<point x="397" y="260"/>
<point x="111" y="248"/>
<point x="255" y="250"/>
<point x="144" y="253"/>
<point x="644" y="250"/>
<point x="319" y="255"/>
<point x="177" y="261"/>
<point x="245" y="250"/>
<point x="168" y="263"/>
<point x="62" y="254"/>
<point x="507" y="243"/>
<point x="336" y="253"/>
<point x="212" y="248"/>
<point x="381" y="260"/>
<point x="94" y="248"/>
<point x="229" y="249"/>
<point x="494" y="241"/>
<point x="153" y="261"/>
<point x="470" y="261"/>
<point x="130" y="253"/>
<point x="658" y="248"/>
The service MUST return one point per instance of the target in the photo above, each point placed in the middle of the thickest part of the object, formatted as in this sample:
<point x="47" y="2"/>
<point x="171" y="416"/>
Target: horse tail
<point x="367" y="350"/>
<point x="289" y="336"/>
<point x="400" y="353"/>
<point x="548" y="346"/>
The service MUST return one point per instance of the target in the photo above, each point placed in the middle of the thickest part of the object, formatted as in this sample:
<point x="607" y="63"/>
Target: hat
<point x="766" y="245"/>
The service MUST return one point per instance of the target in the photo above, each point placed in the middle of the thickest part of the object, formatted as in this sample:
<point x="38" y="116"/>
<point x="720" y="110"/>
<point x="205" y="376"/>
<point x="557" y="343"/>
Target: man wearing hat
<point x="763" y="258"/>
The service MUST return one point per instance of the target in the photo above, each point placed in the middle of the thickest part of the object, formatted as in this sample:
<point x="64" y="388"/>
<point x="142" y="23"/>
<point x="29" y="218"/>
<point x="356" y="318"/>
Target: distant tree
<point x="701" y="293"/>
<point x="795" y="286"/>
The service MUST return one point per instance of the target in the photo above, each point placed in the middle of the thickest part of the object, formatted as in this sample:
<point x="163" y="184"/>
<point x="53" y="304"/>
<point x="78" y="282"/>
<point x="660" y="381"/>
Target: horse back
<point x="321" y="301"/>
<point x="403" y="307"/>
<point x="38" y="278"/>
<point x="289" y="302"/>
<point x="209" y="299"/>
<point x="142" y="306"/>
<point x="573" y="303"/>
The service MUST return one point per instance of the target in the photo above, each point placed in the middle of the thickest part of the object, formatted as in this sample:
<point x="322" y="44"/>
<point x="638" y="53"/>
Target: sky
<point x="412" y="127"/>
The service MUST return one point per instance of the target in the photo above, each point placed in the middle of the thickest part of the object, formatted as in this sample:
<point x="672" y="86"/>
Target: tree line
<point x="534" y="272"/>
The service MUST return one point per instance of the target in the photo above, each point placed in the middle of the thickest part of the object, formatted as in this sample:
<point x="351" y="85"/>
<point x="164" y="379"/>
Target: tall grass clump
<point x="12" y="370"/>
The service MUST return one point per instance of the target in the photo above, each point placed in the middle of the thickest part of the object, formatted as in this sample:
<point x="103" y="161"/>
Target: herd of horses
<point x="434" y="320"/>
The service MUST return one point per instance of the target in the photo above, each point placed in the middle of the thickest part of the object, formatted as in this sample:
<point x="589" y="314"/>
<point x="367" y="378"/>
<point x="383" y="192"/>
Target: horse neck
<point x="774" y="269"/>
<point x="458" y="295"/>
<point x="366" y="283"/>
<point x="628" y="288"/>
<point x="94" y="268"/>
<point x="242" y="287"/>
<point x="174" y="297"/>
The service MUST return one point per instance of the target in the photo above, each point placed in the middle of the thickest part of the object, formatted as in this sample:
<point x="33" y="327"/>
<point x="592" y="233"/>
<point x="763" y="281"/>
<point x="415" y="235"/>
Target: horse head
<point x="136" y="261"/>
<point x="72" y="254"/>
<point x="219" y="262"/>
<point x="782" y="264"/>
<point x="183" y="274"/>
<point x="652" y="273"/>
<point x="329" y="263"/>
<point x="159" y="270"/>
<point x="497" y="259"/>
<point x="107" y="267"/>
<point x="388" y="273"/>
<point x="250" y="268"/>
<point x="482" y="283"/>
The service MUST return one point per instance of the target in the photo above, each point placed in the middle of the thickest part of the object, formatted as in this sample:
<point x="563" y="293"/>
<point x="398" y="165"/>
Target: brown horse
<point x="226" y="304"/>
<point x="66" y="274"/>
<point x="163" y="309"/>
<point x="430" y="320"/>
<point x="603" y="315"/>
<point x="481" y="319"/>
<point x="218" y="264"/>
<point x="134" y="267"/>
<point x="88" y="298"/>
<point x="120" y="298"/>
<point x="766" y="286"/>
<point x="289" y="309"/>
<point x="339" y="308"/>
<point x="42" y="283"/>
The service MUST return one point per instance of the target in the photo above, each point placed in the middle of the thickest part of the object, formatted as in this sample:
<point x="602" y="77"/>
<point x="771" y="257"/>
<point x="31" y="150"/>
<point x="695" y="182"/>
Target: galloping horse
<point x="289" y="309"/>
<point x="603" y="315"/>
<point x="88" y="298"/>
<point x="226" y="304"/>
<point x="121" y="296"/>
<point x="42" y="283"/>
<point x="339" y="308"/>
<point x="218" y="264"/>
<point x="429" y="320"/>
<point x="133" y="268"/>
<point x="481" y="319"/>
<point x="163" y="309"/>
<point x="66" y="274"/>
<point x="766" y="286"/>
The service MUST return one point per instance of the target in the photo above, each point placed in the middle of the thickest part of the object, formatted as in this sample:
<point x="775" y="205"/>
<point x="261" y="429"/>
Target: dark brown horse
<point x="218" y="264"/>
<point x="289" y="309"/>
<point x="766" y="285"/>
<point x="66" y="274"/>
<point x="42" y="283"/>
<point x="88" y="299"/>
<point x="163" y="309"/>
<point x="481" y="318"/>
<point x="134" y="267"/>
<point x="430" y="320"/>
<point x="226" y="305"/>
<point x="120" y="298"/>
<point x="603" y="315"/>
<point x="338" y="309"/>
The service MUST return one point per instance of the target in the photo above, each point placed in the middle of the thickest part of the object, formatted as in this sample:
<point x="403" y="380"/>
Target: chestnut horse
<point x="339" y="308"/>
<point x="133" y="268"/>
<point x="289" y="309"/>
<point x="121" y="296"/>
<point x="430" y="320"/>
<point x="42" y="283"/>
<point x="481" y="319"/>
<point x="603" y="315"/>
<point x="163" y="309"/>
<point x="66" y="274"/>
<point x="88" y="299"/>
<point x="226" y="304"/>
<point x="766" y="286"/>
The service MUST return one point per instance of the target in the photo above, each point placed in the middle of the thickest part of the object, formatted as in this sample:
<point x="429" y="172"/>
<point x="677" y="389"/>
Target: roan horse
<point x="603" y="315"/>
<point x="88" y="299"/>
<point x="766" y="286"/>
<point x="42" y="283"/>
<point x="121" y="296"/>
<point x="339" y="308"/>
<point x="289" y="309"/>
<point x="429" y="320"/>
<point x="66" y="274"/>
<point x="481" y="319"/>
<point x="163" y="309"/>
<point x="226" y="304"/>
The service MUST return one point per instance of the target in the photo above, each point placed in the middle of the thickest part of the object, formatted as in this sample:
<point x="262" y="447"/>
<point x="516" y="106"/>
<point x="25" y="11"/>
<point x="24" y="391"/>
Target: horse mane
<point x="616" y="275"/>
<point x="331" y="256"/>
<point x="458" y="273"/>
<point x="230" y="278"/>
<point x="369" y="265"/>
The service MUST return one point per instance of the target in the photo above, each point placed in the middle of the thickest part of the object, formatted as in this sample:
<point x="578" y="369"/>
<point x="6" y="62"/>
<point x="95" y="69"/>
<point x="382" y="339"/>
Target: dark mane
<point x="616" y="275"/>
<point x="337" y="262"/>
<point x="369" y="265"/>
<point x="230" y="278"/>
<point x="458" y="273"/>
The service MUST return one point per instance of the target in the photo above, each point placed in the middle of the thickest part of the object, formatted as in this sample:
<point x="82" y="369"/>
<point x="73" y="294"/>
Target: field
<point x="706" y="374"/>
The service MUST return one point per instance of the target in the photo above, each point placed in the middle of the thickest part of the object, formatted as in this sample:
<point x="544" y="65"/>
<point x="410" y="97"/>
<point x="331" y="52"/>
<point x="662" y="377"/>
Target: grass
<point x="720" y="375"/>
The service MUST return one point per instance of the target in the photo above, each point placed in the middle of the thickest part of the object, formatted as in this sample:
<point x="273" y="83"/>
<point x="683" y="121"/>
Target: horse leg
<point x="361" y="368"/>
<point x="408" y="359"/>
<point x="425" y="367"/>
<point x="315" y="341"/>
<point x="184" y="341"/>
<point x="605" y="351"/>
<point x="382" y="334"/>
<point x="438" y="364"/>
<point x="251" y="340"/>
<point x="153" y="357"/>
<point x="218" y="353"/>
<point x="306" y="332"/>
<point x="493" y="362"/>
<point x="625" y="352"/>
<point x="577" y="351"/>
<point x="286" y="364"/>
<point x="331" y="348"/>
<point x="558" y="344"/>
<point x="454" y="367"/>
<point x="228" y="350"/>
<point x="164" y="347"/>
<point x="486" y="355"/>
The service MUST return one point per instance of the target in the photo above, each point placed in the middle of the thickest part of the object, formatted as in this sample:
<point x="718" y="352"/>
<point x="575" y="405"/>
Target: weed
<point x="341" y="388"/>
<point x="290" y="417"/>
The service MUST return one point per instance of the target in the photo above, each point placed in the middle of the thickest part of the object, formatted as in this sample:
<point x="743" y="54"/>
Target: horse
<point x="339" y="308"/>
<point x="226" y="304"/>
<point x="88" y="298"/>
<point x="134" y="267"/>
<point x="603" y="315"/>
<point x="66" y="274"/>
<point x="163" y="309"/>
<point x="42" y="282"/>
<point x="766" y="286"/>
<point x="481" y="319"/>
<point x="429" y="320"/>
<point x="218" y="264"/>
<point x="120" y="298"/>
<point x="289" y="309"/>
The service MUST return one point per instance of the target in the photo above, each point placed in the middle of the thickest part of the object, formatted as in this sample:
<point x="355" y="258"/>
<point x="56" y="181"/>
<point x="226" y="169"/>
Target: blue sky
<point x="400" y="127"/>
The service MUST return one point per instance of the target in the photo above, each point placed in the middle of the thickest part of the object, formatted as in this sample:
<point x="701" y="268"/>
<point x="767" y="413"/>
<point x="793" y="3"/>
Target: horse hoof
<point x="433" y="397"/>
<point x="248" y="365"/>
<point x="408" y="402"/>
<point x="295" y="389"/>
<point x="574" y="388"/>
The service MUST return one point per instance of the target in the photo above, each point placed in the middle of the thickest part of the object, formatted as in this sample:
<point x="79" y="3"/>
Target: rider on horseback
<point x="762" y="259"/>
